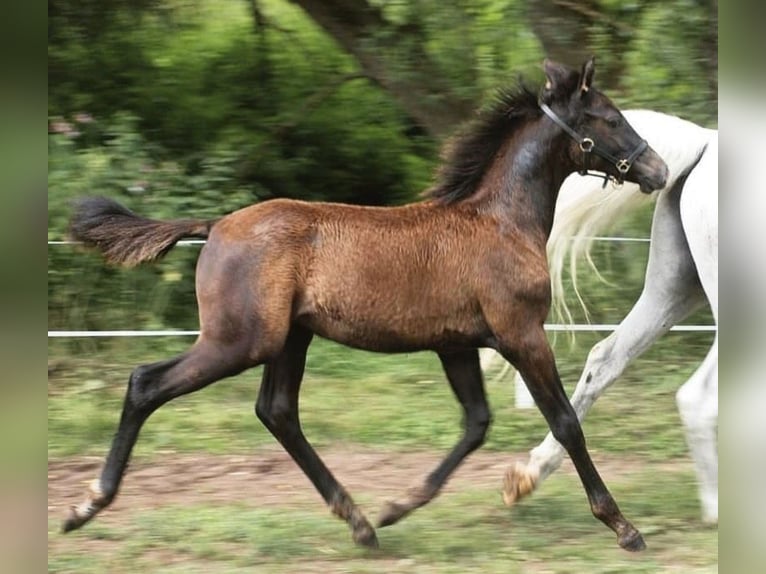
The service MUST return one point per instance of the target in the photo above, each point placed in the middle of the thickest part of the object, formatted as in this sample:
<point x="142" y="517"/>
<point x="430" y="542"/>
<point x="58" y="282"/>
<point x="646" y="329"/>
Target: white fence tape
<point x="203" y="241"/>
<point x="522" y="397"/>
<point x="174" y="333"/>
<point x="76" y="334"/>
<point x="177" y="333"/>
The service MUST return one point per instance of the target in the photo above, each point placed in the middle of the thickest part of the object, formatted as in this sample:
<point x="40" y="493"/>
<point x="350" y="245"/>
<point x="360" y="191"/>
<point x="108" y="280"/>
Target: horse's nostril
<point x="664" y="176"/>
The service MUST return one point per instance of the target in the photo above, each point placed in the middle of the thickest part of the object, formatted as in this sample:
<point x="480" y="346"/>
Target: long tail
<point x="127" y="239"/>
<point x="584" y="209"/>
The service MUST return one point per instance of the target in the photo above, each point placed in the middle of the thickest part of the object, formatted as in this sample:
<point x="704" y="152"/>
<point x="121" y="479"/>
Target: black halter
<point x="588" y="146"/>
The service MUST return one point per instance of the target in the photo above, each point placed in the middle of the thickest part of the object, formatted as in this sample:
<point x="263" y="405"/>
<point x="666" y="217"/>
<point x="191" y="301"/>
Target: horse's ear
<point x="558" y="80"/>
<point x="586" y="75"/>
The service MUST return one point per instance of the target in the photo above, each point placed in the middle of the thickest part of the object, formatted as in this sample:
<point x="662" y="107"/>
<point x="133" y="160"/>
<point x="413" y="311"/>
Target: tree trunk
<point x="562" y="31"/>
<point x="393" y="57"/>
<point x="563" y="28"/>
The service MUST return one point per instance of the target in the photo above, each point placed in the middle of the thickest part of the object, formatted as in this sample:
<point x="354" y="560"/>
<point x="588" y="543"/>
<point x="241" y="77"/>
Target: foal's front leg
<point x="671" y="292"/>
<point x="464" y="375"/>
<point x="533" y="358"/>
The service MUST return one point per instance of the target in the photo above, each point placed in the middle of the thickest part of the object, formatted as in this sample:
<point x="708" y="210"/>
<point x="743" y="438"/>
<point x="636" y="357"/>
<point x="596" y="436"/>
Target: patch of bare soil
<point x="269" y="476"/>
<point x="265" y="477"/>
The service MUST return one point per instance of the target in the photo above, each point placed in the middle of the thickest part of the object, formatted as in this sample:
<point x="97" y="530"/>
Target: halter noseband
<point x="588" y="146"/>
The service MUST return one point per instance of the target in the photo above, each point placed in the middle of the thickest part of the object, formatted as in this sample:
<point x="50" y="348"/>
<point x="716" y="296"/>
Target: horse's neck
<point x="521" y="187"/>
<point x="679" y="142"/>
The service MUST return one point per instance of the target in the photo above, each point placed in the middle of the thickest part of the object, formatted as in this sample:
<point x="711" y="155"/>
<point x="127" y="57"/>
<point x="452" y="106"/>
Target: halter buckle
<point x="586" y="145"/>
<point x="623" y="166"/>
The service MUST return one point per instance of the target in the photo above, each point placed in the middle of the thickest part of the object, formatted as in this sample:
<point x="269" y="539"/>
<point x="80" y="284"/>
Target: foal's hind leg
<point x="464" y="375"/>
<point x="533" y="358"/>
<point x="277" y="408"/>
<point x="150" y="387"/>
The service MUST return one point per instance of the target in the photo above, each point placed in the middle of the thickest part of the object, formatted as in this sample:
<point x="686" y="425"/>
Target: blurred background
<point x="197" y="108"/>
<point x="182" y="108"/>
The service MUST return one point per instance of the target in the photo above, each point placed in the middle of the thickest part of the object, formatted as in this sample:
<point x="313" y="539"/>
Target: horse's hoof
<point x="632" y="541"/>
<point x="710" y="520"/>
<point x="72" y="521"/>
<point x="518" y="483"/>
<point x="392" y="512"/>
<point x="365" y="536"/>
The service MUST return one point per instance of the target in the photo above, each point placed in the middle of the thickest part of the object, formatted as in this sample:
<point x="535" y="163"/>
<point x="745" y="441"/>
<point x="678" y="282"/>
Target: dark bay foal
<point x="466" y="268"/>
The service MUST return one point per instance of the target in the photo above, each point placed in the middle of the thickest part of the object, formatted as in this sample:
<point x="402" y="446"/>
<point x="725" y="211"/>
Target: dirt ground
<point x="270" y="477"/>
<point x="265" y="477"/>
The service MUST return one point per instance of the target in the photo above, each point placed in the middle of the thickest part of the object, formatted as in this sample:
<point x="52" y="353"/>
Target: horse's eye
<point x="613" y="122"/>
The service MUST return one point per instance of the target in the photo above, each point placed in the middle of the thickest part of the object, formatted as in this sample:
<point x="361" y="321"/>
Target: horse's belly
<point x="393" y="333"/>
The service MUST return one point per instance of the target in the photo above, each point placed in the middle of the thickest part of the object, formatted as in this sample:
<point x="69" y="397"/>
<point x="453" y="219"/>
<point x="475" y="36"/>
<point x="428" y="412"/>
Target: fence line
<point x="179" y="333"/>
<point x="175" y="333"/>
<point x="182" y="242"/>
<point x="203" y="241"/>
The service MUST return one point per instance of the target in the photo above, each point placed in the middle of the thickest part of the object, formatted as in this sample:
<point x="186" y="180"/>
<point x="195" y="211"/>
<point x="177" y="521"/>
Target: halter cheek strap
<point x="588" y="146"/>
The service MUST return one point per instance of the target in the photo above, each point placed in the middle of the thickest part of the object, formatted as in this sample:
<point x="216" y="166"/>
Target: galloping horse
<point x="463" y="269"/>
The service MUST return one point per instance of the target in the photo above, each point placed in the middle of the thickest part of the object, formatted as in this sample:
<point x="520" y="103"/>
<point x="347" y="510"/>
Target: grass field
<point x="352" y="403"/>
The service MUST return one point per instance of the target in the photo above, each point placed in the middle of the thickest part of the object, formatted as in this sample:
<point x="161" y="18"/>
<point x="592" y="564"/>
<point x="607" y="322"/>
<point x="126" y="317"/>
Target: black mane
<point x="467" y="158"/>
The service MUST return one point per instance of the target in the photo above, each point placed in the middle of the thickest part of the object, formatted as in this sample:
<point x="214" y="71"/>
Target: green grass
<point x="392" y="403"/>
<point x="387" y="401"/>
<point x="459" y="532"/>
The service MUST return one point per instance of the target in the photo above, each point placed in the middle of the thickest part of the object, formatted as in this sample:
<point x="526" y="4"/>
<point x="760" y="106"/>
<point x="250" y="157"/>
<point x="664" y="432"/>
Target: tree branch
<point x="312" y="102"/>
<point x="394" y="58"/>
<point x="593" y="14"/>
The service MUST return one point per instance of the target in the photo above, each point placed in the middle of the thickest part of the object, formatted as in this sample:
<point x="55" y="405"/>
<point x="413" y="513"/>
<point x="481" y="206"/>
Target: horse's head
<point x="600" y="137"/>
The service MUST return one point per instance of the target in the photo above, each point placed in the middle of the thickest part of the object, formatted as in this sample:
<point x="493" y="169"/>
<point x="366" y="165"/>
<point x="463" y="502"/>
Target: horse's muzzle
<point x="654" y="181"/>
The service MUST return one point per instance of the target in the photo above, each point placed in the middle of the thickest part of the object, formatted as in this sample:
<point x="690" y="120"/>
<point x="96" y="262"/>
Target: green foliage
<point x="204" y="89"/>
<point x="185" y="112"/>
<point x="665" y="59"/>
<point x="194" y="109"/>
<point x="82" y="293"/>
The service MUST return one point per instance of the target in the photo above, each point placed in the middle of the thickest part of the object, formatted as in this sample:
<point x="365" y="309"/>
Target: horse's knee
<point x="600" y="351"/>
<point x="138" y="378"/>
<point x="139" y="387"/>
<point x="595" y="372"/>
<point x="477" y="427"/>
<point x="483" y="421"/>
